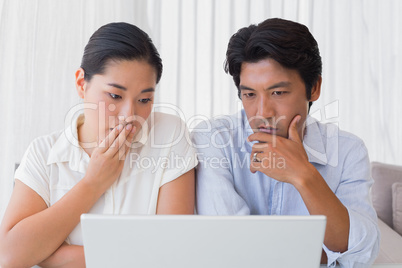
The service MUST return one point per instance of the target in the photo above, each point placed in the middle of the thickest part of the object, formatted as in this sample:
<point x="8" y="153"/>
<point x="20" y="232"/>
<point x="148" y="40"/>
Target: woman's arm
<point x="66" y="256"/>
<point x="31" y="232"/>
<point x="177" y="196"/>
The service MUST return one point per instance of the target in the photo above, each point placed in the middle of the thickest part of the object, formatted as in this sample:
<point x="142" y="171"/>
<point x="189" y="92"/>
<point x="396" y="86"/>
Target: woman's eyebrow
<point x="117" y="86"/>
<point x="151" y="89"/>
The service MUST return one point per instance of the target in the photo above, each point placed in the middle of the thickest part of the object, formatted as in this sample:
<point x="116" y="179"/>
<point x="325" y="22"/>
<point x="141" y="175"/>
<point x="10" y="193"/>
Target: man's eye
<point x="248" y="95"/>
<point x="145" y="100"/>
<point x="278" y="93"/>
<point x="114" y="96"/>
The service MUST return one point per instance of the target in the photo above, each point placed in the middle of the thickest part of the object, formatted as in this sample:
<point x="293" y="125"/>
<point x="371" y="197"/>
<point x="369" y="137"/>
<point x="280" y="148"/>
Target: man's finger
<point x="261" y="137"/>
<point x="293" y="133"/>
<point x="254" y="157"/>
<point x="254" y="166"/>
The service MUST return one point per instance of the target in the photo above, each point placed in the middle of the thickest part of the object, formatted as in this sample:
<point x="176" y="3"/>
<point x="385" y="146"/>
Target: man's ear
<point x="316" y="90"/>
<point x="80" y="82"/>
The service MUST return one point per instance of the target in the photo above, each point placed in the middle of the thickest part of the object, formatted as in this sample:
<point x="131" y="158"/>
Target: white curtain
<point x="41" y="45"/>
<point x="42" y="41"/>
<point x="360" y="44"/>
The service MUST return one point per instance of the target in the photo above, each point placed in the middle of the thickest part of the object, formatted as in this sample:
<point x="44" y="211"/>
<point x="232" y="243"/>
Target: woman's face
<point x="124" y="93"/>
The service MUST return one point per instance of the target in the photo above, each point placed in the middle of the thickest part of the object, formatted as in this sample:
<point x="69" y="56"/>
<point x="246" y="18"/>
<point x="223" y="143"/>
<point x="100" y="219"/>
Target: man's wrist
<point x="306" y="177"/>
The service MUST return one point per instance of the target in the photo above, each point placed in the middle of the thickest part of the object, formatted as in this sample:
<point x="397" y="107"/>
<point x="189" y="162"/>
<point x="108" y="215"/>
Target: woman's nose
<point x="126" y="113"/>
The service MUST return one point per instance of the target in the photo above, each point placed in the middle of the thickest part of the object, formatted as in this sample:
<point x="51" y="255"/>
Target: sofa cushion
<point x="397" y="206"/>
<point x="390" y="245"/>
<point x="384" y="176"/>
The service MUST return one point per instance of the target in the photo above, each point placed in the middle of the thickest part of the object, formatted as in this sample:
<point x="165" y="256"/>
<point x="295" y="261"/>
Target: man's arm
<point x="320" y="200"/>
<point x="352" y="192"/>
<point x="298" y="171"/>
<point x="215" y="191"/>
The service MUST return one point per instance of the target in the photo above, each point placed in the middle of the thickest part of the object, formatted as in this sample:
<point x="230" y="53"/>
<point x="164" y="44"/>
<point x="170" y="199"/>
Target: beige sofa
<point x="387" y="200"/>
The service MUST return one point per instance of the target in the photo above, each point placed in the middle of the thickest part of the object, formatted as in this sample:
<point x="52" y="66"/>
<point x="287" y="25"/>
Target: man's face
<point x="272" y="96"/>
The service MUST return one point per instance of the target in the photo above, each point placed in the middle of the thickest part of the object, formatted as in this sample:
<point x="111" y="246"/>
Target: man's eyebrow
<point x="245" y="88"/>
<point x="280" y="84"/>
<point x="124" y="88"/>
<point x="277" y="85"/>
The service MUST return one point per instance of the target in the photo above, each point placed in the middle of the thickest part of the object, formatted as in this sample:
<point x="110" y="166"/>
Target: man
<point x="272" y="159"/>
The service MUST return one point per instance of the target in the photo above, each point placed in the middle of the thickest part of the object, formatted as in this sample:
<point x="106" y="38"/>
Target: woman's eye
<point x="114" y="96"/>
<point x="145" y="100"/>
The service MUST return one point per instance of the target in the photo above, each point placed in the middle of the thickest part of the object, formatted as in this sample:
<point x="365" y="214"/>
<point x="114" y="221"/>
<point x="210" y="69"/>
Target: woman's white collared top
<point x="162" y="151"/>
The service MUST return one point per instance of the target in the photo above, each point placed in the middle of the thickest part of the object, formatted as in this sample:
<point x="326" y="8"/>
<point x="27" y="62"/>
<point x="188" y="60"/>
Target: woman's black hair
<point x="289" y="43"/>
<point x="119" y="41"/>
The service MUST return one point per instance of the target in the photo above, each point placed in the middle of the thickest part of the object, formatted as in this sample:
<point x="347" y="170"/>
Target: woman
<point x="115" y="158"/>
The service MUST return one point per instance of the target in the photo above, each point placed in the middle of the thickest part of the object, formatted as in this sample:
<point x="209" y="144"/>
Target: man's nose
<point x="265" y="108"/>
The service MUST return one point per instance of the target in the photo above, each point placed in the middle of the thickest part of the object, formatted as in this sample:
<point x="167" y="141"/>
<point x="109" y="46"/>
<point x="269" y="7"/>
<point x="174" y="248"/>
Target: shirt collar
<point x="67" y="147"/>
<point x="313" y="140"/>
<point x="246" y="145"/>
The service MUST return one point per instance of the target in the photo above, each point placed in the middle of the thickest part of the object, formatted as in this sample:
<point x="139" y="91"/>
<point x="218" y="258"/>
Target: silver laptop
<point x="202" y="241"/>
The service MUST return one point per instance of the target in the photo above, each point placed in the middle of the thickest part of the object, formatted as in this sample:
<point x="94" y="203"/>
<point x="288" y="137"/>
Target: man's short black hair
<point x="289" y="43"/>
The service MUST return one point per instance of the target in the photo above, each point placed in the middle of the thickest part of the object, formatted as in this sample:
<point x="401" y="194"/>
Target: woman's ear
<point x="80" y="82"/>
<point x="316" y="90"/>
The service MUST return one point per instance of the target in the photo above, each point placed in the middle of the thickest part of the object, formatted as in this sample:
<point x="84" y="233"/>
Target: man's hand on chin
<point x="280" y="158"/>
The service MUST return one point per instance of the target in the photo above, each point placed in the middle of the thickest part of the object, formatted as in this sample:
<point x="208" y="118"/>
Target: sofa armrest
<point x="390" y="245"/>
<point x="384" y="176"/>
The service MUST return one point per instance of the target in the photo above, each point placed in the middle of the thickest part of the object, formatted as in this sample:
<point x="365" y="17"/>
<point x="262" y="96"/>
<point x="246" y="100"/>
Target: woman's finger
<point x="129" y="140"/>
<point x="119" y="142"/>
<point x="105" y="144"/>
